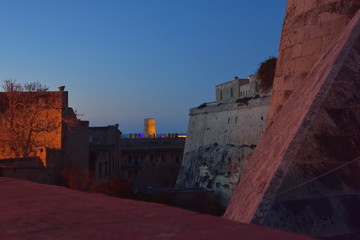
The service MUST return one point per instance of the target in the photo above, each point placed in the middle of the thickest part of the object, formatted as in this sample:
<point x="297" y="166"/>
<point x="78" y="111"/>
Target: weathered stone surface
<point x="221" y="137"/>
<point x="304" y="175"/>
<point x="214" y="167"/>
<point x="310" y="27"/>
<point x="36" y="211"/>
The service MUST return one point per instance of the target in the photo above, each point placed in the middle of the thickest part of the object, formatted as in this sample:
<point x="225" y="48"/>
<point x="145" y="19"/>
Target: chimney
<point x="61" y="88"/>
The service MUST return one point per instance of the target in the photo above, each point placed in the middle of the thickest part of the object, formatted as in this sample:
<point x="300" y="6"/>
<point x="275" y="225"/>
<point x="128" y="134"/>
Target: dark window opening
<point x="100" y="170"/>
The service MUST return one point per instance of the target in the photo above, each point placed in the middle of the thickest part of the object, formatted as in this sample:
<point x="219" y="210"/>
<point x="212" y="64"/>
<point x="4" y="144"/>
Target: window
<point x="100" y="170"/>
<point x="228" y="120"/>
<point x="235" y="119"/>
<point x="231" y="92"/>
<point x="220" y="94"/>
<point x="130" y="159"/>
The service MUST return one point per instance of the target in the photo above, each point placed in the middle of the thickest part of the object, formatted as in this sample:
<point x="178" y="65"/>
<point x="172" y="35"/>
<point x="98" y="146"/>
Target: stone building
<point x="105" y="153"/>
<point x="151" y="162"/>
<point x="48" y="130"/>
<point x="221" y="136"/>
<point x="237" y="88"/>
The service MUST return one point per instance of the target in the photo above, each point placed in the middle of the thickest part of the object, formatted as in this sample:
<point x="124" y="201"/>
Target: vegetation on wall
<point x="266" y="73"/>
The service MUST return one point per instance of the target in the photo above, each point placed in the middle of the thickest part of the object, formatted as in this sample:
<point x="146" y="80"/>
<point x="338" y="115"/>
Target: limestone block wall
<point x="232" y="123"/>
<point x="310" y="26"/>
<point x="304" y="175"/>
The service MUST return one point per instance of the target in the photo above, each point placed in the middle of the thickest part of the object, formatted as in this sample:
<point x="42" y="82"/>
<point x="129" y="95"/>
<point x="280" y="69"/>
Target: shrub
<point x="266" y="73"/>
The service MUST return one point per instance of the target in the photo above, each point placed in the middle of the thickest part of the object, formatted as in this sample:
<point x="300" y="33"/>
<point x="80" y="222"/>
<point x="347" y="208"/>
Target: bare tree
<point x="29" y="119"/>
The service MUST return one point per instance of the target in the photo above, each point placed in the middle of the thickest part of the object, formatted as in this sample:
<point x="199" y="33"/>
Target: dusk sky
<point x="126" y="60"/>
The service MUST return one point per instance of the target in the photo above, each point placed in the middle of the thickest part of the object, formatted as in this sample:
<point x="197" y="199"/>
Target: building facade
<point x="105" y="153"/>
<point x="151" y="162"/>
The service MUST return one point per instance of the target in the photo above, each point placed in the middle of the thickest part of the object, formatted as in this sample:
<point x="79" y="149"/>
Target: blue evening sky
<point x="126" y="60"/>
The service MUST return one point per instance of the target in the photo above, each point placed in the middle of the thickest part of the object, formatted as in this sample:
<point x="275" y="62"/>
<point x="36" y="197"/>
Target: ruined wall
<point x="304" y="175"/>
<point x="310" y="26"/>
<point x="220" y="139"/>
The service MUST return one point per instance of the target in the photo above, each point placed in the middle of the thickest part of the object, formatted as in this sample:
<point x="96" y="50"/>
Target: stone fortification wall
<point x="236" y="123"/>
<point x="304" y="175"/>
<point x="310" y="26"/>
<point x="220" y="139"/>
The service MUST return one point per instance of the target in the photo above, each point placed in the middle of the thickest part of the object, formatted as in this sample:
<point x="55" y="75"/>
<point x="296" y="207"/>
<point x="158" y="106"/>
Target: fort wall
<point x="310" y="26"/>
<point x="304" y="175"/>
<point x="231" y="123"/>
<point x="220" y="139"/>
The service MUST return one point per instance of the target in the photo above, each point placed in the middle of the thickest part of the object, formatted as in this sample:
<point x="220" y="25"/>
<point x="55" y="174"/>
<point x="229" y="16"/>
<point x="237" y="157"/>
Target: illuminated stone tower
<point x="149" y="128"/>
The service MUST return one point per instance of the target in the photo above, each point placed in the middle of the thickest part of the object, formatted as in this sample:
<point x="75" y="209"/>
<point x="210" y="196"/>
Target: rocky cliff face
<point x="215" y="168"/>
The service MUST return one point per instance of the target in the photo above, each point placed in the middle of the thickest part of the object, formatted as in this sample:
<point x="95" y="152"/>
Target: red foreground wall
<point x="35" y="211"/>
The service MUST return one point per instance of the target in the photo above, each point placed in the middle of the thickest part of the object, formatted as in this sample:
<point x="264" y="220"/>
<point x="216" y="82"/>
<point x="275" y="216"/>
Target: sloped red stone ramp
<point x="314" y="139"/>
<point x="36" y="211"/>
